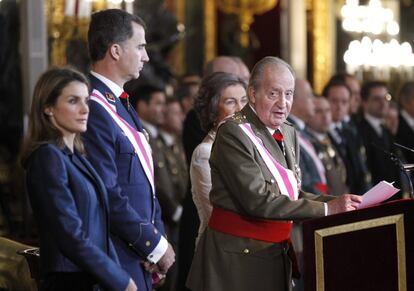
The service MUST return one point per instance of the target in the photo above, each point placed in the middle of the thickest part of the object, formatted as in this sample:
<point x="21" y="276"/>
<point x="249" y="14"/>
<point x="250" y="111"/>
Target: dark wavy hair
<point x="208" y="98"/>
<point x="47" y="90"/>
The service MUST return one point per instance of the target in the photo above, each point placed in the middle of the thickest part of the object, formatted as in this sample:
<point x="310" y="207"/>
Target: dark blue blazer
<point x="134" y="210"/>
<point x="71" y="238"/>
<point x="379" y="163"/>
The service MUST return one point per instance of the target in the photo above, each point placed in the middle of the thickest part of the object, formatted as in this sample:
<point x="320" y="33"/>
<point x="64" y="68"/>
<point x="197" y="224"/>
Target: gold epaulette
<point x="239" y="118"/>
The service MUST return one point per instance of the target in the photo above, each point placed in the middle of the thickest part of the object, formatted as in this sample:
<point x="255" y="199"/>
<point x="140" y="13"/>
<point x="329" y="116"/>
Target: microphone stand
<point x="404" y="169"/>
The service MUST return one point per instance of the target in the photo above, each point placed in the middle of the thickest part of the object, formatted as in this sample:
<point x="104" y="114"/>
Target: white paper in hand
<point x="380" y="192"/>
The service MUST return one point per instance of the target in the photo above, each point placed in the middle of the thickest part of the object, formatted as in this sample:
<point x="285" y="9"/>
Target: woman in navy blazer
<point x="68" y="198"/>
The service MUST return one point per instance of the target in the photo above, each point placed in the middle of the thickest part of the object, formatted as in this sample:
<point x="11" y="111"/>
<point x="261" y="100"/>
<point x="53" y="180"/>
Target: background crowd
<point x="346" y="135"/>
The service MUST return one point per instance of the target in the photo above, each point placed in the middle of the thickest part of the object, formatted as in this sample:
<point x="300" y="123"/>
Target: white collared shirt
<point x="271" y="130"/>
<point x="152" y="129"/>
<point x="111" y="84"/>
<point x="168" y="138"/>
<point x="299" y="122"/>
<point x="338" y="124"/>
<point x="347" y="118"/>
<point x="374" y="122"/>
<point x="318" y="135"/>
<point x="334" y="133"/>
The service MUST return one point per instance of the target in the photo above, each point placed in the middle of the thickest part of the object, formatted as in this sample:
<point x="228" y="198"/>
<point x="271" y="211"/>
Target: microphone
<point x="404" y="168"/>
<point x="404" y="147"/>
<point x="392" y="156"/>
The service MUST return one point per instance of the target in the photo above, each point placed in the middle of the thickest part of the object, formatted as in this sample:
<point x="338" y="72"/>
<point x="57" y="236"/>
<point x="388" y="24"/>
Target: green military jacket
<point x="241" y="183"/>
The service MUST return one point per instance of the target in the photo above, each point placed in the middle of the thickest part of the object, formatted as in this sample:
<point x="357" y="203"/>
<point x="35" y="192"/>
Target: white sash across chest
<point x="308" y="147"/>
<point x="137" y="139"/>
<point x="285" y="178"/>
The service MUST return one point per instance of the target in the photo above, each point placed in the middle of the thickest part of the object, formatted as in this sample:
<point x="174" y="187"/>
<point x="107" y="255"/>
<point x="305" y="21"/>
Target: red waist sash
<point x="260" y="229"/>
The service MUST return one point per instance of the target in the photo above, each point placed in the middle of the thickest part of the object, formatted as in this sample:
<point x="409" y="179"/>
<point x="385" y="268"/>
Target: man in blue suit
<point x="118" y="149"/>
<point x="313" y="177"/>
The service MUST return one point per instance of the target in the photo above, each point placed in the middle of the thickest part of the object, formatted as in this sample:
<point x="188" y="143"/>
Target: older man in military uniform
<point x="255" y="192"/>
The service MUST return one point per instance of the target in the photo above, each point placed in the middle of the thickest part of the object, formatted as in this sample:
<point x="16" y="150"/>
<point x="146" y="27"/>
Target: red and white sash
<point x="137" y="139"/>
<point x="285" y="178"/>
<point x="308" y="147"/>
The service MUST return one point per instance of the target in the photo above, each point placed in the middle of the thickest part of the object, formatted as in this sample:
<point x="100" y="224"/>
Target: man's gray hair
<point x="257" y="72"/>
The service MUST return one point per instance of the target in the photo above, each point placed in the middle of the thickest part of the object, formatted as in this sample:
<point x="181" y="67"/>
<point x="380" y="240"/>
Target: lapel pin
<point x="110" y="97"/>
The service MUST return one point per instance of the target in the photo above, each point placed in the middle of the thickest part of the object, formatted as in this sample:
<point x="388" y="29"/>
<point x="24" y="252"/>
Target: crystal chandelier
<point x="375" y="47"/>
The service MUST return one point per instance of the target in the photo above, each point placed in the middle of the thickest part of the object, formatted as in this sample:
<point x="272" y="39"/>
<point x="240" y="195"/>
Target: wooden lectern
<point x="367" y="249"/>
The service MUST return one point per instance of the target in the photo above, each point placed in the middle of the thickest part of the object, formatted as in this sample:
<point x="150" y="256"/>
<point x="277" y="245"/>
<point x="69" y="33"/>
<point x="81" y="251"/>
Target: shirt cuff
<point x="159" y="251"/>
<point x="326" y="208"/>
<point x="177" y="213"/>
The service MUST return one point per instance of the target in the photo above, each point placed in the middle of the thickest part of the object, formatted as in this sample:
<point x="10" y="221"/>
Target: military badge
<point x="298" y="176"/>
<point x="239" y="118"/>
<point x="292" y="149"/>
<point x="110" y="97"/>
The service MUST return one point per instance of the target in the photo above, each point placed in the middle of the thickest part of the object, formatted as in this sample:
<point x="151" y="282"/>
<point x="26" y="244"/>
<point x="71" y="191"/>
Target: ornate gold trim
<point x="322" y="33"/>
<point x="210" y="31"/>
<point x="398" y="220"/>
<point x="245" y="11"/>
<point x="62" y="28"/>
<point x="177" y="55"/>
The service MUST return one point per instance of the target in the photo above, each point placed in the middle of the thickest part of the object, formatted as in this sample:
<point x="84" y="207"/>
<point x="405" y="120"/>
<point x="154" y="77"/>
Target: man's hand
<point x="166" y="260"/>
<point x="131" y="286"/>
<point x="150" y="267"/>
<point x="343" y="203"/>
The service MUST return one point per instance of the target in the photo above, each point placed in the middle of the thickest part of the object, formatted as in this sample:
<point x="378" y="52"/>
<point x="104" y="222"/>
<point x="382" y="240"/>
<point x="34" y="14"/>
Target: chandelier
<point x="371" y="18"/>
<point x="375" y="47"/>
<point x="376" y="53"/>
<point x="245" y="9"/>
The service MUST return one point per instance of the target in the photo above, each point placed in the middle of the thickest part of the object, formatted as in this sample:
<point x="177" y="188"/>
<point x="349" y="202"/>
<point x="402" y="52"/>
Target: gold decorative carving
<point x="397" y="220"/>
<point x="322" y="32"/>
<point x="176" y="58"/>
<point x="99" y="5"/>
<point x="55" y="12"/>
<point x="245" y="9"/>
<point x="62" y="28"/>
<point x="210" y="31"/>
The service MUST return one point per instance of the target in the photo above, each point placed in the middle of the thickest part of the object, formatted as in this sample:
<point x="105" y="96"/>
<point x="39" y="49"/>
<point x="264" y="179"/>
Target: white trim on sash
<point x="137" y="139"/>
<point x="285" y="178"/>
<point x="308" y="147"/>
